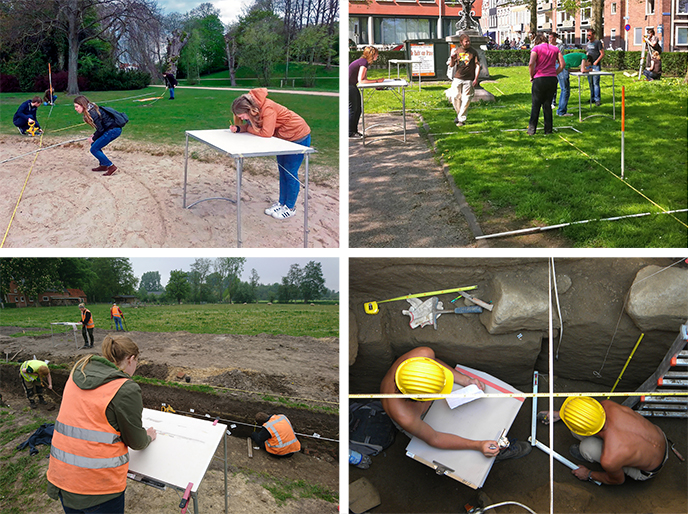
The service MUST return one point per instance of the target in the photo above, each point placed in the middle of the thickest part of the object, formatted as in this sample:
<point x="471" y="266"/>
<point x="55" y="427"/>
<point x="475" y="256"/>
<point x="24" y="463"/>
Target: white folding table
<point x="67" y="323"/>
<point x="394" y="85"/>
<point x="239" y="146"/>
<point x="403" y="61"/>
<point x="180" y="455"/>
<point x="580" y="74"/>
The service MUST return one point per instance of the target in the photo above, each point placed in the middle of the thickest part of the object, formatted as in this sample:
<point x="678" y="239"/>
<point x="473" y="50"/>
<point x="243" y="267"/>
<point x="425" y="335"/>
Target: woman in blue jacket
<point x="26" y="112"/>
<point x="106" y="132"/>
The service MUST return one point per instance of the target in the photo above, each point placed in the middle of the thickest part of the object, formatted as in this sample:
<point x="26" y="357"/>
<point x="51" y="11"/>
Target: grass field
<point x="568" y="176"/>
<point x="252" y="319"/>
<point x="164" y="121"/>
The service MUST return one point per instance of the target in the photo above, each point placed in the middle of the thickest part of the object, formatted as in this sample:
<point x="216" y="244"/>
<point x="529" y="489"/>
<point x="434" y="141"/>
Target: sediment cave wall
<point x="605" y="305"/>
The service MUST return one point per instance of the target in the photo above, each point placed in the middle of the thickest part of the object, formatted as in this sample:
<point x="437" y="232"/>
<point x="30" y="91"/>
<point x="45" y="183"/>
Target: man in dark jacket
<point x="25" y="117"/>
<point x="170" y="82"/>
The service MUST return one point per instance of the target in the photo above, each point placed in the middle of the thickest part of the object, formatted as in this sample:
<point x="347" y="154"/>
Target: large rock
<point x="659" y="301"/>
<point x="521" y="301"/>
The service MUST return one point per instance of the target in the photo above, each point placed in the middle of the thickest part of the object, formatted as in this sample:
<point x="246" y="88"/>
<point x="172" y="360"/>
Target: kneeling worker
<point x="620" y="439"/>
<point x="419" y="372"/>
<point x="32" y="374"/>
<point x="277" y="436"/>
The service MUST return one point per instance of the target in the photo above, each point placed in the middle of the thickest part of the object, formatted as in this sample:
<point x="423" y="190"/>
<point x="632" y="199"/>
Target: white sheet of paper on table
<point x="479" y="420"/>
<point x="455" y="402"/>
<point x="181" y="452"/>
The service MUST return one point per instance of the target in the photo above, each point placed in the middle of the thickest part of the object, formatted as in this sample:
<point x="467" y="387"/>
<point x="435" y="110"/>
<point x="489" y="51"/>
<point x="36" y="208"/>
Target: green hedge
<point x="507" y="57"/>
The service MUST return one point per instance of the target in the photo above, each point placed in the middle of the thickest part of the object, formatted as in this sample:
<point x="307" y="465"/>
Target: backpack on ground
<point x="370" y="428"/>
<point x="120" y="118"/>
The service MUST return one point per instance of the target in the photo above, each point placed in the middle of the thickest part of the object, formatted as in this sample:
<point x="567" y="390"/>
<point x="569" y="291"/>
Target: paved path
<point x="281" y="91"/>
<point x="398" y="194"/>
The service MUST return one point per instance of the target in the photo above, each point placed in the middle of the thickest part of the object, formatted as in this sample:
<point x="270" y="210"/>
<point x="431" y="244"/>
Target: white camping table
<point x="403" y="61"/>
<point x="580" y="74"/>
<point x="240" y="146"/>
<point x="68" y="323"/>
<point x="481" y="419"/>
<point x="180" y="454"/>
<point x="395" y="85"/>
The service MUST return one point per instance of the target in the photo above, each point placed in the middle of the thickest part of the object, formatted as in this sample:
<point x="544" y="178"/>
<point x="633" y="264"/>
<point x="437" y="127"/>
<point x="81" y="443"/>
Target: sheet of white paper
<point x="244" y="144"/>
<point x="181" y="452"/>
<point x="480" y="420"/>
<point x="454" y="402"/>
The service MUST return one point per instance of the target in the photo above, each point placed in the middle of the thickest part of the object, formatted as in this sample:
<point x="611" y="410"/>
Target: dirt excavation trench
<point x="295" y="376"/>
<point x="605" y="305"/>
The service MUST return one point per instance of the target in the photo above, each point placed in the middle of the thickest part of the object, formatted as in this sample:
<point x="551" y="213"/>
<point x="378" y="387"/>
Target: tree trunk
<point x="597" y="18"/>
<point x="73" y="41"/>
<point x="174" y="48"/>
<point x="533" y="17"/>
<point x="231" y="52"/>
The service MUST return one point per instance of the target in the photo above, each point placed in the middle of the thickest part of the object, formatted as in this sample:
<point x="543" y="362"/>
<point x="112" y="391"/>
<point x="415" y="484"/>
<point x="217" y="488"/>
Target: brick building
<point x="49" y="298"/>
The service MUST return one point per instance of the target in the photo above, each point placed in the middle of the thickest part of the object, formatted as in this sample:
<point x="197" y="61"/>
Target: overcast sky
<point x="229" y="9"/>
<point x="270" y="269"/>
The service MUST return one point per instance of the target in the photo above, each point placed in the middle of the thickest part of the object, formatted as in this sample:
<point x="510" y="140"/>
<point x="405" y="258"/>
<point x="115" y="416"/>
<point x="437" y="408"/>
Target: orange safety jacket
<point x="116" y="312"/>
<point x="87" y="455"/>
<point x="90" y="321"/>
<point x="283" y="439"/>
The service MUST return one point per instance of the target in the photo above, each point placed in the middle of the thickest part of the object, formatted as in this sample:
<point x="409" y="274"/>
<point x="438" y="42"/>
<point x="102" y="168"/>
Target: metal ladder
<point x="672" y="373"/>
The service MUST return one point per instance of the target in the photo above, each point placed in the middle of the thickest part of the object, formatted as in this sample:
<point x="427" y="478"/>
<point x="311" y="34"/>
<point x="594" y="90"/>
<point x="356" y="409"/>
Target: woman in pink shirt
<point x="543" y="75"/>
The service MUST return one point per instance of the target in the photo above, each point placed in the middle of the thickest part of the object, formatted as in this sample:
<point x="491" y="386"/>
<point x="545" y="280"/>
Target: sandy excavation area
<point x="65" y="204"/>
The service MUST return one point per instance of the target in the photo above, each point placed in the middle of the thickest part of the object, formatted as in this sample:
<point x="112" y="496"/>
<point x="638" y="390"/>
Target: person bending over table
<point x="255" y="113"/>
<point x="358" y="73"/>
<point x="571" y="60"/>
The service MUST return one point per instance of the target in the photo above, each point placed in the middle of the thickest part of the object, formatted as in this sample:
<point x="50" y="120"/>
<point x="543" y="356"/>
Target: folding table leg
<point x="239" y="167"/>
<point x="305" y="214"/>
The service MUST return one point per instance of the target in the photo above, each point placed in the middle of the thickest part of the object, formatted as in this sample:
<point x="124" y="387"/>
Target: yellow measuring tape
<point x="514" y="395"/>
<point x="372" y="308"/>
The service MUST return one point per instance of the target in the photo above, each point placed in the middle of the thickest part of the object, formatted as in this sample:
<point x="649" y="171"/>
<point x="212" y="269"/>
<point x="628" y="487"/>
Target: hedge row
<point x="101" y="80"/>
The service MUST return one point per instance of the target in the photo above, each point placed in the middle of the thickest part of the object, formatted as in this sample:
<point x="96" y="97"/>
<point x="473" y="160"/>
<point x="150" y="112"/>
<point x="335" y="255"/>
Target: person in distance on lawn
<point x="358" y="74"/>
<point x="87" y="326"/>
<point x="117" y="315"/>
<point x="277" y="435"/>
<point x="99" y="419"/>
<point x="25" y="116"/>
<point x="32" y="373"/>
<point x="170" y="82"/>
<point x="255" y="113"/>
<point x="654" y="70"/>
<point x="595" y="51"/>
<point x="465" y="71"/>
<point x="107" y="131"/>
<point x="543" y="75"/>
<point x="420" y="372"/>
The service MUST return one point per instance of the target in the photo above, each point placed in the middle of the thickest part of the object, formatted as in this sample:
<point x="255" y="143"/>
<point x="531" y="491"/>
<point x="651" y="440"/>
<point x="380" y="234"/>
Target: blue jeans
<point x="118" y="323"/>
<point x="100" y="143"/>
<point x="565" y="86"/>
<point x="114" y="506"/>
<point x="594" y="83"/>
<point x="172" y="93"/>
<point x="289" y="174"/>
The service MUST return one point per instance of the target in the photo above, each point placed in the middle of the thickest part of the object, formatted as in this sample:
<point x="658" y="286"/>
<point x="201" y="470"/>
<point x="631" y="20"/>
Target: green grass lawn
<point x="251" y="319"/>
<point x="568" y="176"/>
<point x="164" y="121"/>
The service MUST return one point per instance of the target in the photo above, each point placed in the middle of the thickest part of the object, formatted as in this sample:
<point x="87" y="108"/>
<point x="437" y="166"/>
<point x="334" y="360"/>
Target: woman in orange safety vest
<point x="87" y="326"/>
<point x="277" y="436"/>
<point x="99" y="418"/>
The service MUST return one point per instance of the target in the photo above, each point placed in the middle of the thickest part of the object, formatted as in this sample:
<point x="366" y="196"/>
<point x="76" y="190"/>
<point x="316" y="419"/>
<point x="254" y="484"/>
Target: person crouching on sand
<point x="106" y="132"/>
<point x="254" y="113"/>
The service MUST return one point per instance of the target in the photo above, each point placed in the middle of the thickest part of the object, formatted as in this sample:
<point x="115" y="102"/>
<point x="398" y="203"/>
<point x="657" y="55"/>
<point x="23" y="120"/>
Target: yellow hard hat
<point x="422" y="375"/>
<point x="583" y="415"/>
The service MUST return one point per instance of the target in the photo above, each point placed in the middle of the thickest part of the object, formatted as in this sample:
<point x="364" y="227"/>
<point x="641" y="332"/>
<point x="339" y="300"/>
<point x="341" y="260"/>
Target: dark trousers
<point x="87" y="333"/>
<point x="263" y="435"/>
<point x="31" y="388"/>
<point x="354" y="108"/>
<point x="114" y="506"/>
<point x="543" y="91"/>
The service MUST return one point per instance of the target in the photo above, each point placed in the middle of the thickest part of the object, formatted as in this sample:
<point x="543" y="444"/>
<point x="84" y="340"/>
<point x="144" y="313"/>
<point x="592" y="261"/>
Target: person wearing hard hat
<point x="420" y="372"/>
<point x="32" y="373"/>
<point x="620" y="439"/>
<point x="277" y="435"/>
<point x="87" y="326"/>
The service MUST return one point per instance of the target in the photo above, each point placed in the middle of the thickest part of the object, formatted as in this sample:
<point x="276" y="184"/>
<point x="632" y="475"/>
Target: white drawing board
<point x="385" y="83"/>
<point x="182" y="451"/>
<point x="244" y="144"/>
<point x="482" y="419"/>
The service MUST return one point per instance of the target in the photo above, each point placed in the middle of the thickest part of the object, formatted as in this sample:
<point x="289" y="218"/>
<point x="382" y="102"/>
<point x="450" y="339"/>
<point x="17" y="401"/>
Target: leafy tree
<point x="312" y="284"/>
<point x="289" y="289"/>
<point x="261" y="44"/>
<point x="244" y="293"/>
<point x="253" y="281"/>
<point x="229" y="268"/>
<point x="76" y="272"/>
<point x="115" y="277"/>
<point x="178" y="286"/>
<point x="150" y="281"/>
<point x="32" y="275"/>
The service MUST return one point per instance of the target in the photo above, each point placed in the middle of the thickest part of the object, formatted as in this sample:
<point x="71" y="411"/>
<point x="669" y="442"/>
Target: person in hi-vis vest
<point x="277" y="435"/>
<point x="87" y="326"/>
<point x="117" y="315"/>
<point x="100" y="418"/>
<point x="32" y="373"/>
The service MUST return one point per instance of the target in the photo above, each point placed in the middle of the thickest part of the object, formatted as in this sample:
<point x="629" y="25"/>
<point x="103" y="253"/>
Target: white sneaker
<point x="275" y="207"/>
<point x="283" y="213"/>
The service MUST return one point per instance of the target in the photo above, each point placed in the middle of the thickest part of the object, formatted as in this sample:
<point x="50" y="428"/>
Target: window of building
<point x="612" y="35"/>
<point x="649" y="6"/>
<point x="682" y="7"/>
<point x="358" y="30"/>
<point x="394" y="31"/>
<point x="637" y="36"/>
<point x="584" y="36"/>
<point x="45" y="298"/>
<point x="16" y="299"/>
<point x="613" y="9"/>
<point x="21" y="299"/>
<point x="586" y="12"/>
<point x="682" y="35"/>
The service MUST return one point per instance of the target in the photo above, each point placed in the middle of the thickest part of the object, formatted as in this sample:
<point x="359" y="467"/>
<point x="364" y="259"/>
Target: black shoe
<point x="32" y="404"/>
<point x="598" y="103"/>
<point x="574" y="450"/>
<point x="355" y="134"/>
<point x="84" y="347"/>
<point x="530" y="131"/>
<point x="42" y="401"/>
<point x="91" y="346"/>
<point x="516" y="450"/>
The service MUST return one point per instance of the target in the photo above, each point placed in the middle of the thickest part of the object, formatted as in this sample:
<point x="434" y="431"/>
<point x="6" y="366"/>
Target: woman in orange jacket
<point x="254" y="113"/>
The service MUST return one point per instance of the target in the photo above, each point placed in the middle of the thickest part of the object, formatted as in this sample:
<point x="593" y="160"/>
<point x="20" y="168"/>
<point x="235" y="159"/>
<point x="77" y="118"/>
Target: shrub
<point x="507" y="57"/>
<point x="60" y="82"/>
<point x="673" y="63"/>
<point x="113" y="79"/>
<point x="9" y="84"/>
